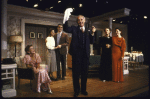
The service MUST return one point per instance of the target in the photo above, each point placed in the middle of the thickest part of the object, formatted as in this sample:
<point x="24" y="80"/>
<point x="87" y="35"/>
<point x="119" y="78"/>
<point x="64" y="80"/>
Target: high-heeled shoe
<point x="39" y="89"/>
<point x="104" y="80"/>
<point x="50" y="92"/>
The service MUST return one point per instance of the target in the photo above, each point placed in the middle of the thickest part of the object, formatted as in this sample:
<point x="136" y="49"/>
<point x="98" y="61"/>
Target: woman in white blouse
<point x="51" y="62"/>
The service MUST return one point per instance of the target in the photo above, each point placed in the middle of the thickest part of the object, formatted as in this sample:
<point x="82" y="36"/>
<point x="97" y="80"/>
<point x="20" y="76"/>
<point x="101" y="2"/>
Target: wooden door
<point x="35" y="35"/>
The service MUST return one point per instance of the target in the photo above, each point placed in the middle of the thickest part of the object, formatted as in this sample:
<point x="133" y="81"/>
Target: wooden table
<point x="133" y="63"/>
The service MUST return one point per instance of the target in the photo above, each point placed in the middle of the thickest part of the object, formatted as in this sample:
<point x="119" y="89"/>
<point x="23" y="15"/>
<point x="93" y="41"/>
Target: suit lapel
<point x="61" y="37"/>
<point x="78" y="32"/>
<point x="86" y="31"/>
<point x="55" y="39"/>
<point x="86" y="34"/>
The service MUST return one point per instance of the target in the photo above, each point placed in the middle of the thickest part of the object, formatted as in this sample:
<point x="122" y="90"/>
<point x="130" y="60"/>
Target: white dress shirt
<point x="50" y="44"/>
<point x="83" y="28"/>
<point x="60" y="33"/>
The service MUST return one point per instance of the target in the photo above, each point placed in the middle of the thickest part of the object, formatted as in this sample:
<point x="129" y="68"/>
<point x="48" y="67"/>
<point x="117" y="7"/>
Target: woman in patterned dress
<point x="41" y="78"/>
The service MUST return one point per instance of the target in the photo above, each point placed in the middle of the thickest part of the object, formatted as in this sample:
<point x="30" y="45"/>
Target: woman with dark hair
<point x="41" y="78"/>
<point x="118" y="48"/>
<point x="105" y="72"/>
<point x="51" y="59"/>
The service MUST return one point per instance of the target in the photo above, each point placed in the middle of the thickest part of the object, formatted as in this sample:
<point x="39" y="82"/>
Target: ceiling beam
<point x="114" y="14"/>
<point x="39" y="13"/>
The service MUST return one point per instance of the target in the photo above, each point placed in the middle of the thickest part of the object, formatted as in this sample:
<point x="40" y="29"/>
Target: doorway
<point x="35" y="35"/>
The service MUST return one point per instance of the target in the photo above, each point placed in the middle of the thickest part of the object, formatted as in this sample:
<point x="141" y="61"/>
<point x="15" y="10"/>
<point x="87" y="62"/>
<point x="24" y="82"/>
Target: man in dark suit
<point x="82" y="37"/>
<point x="61" y="41"/>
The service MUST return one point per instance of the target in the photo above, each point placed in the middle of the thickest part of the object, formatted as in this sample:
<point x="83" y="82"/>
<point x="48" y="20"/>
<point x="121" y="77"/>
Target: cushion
<point x="43" y="65"/>
<point x="20" y="63"/>
<point x="23" y="65"/>
<point x="17" y="59"/>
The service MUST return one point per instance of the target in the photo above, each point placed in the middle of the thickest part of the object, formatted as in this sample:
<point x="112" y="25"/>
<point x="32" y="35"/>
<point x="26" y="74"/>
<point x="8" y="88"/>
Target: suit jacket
<point x="64" y="41"/>
<point x="75" y="46"/>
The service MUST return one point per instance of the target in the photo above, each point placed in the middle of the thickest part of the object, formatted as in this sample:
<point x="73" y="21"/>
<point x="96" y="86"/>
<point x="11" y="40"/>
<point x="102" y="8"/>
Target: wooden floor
<point x="136" y="82"/>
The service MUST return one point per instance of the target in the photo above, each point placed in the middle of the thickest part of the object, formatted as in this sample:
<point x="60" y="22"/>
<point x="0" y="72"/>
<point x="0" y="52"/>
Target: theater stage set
<point x="136" y="84"/>
<point x="20" y="21"/>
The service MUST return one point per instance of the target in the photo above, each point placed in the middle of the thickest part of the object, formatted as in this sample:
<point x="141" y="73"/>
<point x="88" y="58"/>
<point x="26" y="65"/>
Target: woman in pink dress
<point x="41" y="78"/>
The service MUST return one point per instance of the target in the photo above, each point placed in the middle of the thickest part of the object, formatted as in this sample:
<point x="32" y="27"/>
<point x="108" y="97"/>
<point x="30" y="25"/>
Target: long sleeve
<point x="123" y="47"/>
<point x="65" y="20"/>
<point x="50" y="43"/>
<point x="91" y="38"/>
<point x="120" y="44"/>
<point x="117" y="42"/>
<point x="51" y="46"/>
<point x="66" y="28"/>
<point x="66" y="43"/>
<point x="101" y="43"/>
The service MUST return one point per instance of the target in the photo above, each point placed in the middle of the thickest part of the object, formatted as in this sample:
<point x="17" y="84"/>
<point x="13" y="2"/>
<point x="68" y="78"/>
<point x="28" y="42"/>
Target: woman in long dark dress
<point x="105" y="42"/>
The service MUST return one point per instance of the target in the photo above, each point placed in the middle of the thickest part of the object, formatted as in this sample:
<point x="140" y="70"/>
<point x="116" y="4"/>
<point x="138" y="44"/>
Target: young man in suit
<point x="82" y="37"/>
<point x="61" y="41"/>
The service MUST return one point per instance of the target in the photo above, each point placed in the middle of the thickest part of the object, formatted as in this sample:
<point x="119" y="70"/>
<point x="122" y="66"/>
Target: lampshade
<point x="15" y="39"/>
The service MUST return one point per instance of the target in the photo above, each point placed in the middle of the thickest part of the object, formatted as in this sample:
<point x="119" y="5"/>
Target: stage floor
<point x="136" y="82"/>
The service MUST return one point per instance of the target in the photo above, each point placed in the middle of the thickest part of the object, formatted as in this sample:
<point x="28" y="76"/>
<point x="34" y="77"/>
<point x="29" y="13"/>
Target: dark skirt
<point x="105" y="70"/>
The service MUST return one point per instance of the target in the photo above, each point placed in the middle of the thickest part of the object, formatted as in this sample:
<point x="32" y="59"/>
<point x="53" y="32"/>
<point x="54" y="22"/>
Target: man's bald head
<point x="81" y="20"/>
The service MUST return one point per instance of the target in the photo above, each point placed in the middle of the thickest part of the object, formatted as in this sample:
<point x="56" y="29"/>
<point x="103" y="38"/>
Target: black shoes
<point x="59" y="78"/>
<point x="84" y="93"/>
<point x="52" y="78"/>
<point x="76" y="94"/>
<point x="63" y="78"/>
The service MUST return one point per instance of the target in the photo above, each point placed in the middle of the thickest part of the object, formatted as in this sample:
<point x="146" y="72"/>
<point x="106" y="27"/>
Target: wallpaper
<point x="13" y="28"/>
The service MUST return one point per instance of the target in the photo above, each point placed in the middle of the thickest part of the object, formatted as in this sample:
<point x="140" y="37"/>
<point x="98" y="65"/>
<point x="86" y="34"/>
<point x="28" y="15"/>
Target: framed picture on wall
<point x="40" y="35"/>
<point x="32" y="35"/>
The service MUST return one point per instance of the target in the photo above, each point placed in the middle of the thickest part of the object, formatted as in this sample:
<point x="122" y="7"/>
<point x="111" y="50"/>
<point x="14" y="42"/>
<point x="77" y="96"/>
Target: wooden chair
<point x="23" y="71"/>
<point x="94" y="63"/>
